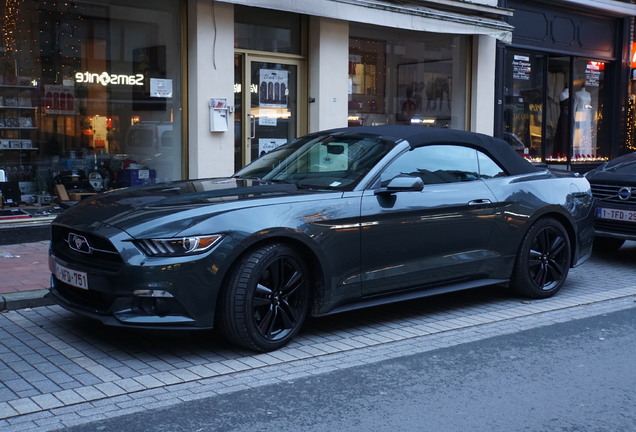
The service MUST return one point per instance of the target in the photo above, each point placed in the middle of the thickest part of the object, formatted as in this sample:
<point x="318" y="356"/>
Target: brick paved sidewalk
<point x="24" y="275"/>
<point x="58" y="369"/>
<point x="24" y="267"/>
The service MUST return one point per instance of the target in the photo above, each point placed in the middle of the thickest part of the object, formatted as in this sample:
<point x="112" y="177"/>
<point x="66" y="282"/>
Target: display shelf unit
<point x="18" y="115"/>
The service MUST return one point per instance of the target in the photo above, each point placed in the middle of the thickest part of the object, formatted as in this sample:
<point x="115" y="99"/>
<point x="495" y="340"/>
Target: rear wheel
<point x="543" y="260"/>
<point x="607" y="244"/>
<point x="265" y="303"/>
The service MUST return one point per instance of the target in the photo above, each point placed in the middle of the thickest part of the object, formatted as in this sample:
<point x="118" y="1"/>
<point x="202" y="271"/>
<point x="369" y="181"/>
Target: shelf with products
<point x="19" y="148"/>
<point x="17" y="123"/>
<point x="19" y="109"/>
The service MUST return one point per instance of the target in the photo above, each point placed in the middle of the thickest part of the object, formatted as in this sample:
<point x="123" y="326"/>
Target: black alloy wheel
<point x="266" y="301"/>
<point x="543" y="260"/>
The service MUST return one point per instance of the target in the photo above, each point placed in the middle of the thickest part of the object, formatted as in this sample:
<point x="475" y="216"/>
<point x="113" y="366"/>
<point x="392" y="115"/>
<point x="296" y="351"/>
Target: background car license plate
<point x="615" y="214"/>
<point x="71" y="277"/>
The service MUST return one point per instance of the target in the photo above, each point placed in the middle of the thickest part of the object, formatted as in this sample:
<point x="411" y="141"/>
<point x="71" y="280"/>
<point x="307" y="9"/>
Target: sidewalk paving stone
<point x="51" y="355"/>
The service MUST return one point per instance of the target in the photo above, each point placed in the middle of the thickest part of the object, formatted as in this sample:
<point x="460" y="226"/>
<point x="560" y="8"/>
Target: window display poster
<point x="59" y="99"/>
<point x="592" y="74"/>
<point x="268" y="117"/>
<point x="160" y="87"/>
<point x="425" y="89"/>
<point x="521" y="68"/>
<point x="268" y="144"/>
<point x="273" y="88"/>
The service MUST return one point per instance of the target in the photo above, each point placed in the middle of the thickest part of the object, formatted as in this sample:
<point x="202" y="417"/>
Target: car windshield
<point x="320" y="161"/>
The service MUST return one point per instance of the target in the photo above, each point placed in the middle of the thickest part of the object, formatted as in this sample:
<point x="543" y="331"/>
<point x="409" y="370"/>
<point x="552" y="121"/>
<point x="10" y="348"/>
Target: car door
<point x="437" y="235"/>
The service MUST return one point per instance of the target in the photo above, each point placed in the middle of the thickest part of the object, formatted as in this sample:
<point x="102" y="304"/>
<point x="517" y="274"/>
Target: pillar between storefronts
<point x="328" y="60"/>
<point x="482" y="101"/>
<point x="210" y="75"/>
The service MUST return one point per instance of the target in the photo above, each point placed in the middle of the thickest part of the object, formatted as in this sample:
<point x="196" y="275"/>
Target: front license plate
<point x="71" y="277"/>
<point x="615" y="214"/>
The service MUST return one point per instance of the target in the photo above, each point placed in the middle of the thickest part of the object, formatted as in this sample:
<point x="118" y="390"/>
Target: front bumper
<point x="136" y="291"/>
<point x="128" y="311"/>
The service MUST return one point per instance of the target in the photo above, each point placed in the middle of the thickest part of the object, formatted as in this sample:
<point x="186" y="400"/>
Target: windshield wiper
<point x="304" y="186"/>
<point x="247" y="178"/>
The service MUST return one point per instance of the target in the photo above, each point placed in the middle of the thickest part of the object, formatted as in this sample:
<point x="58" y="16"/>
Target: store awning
<point x="435" y="16"/>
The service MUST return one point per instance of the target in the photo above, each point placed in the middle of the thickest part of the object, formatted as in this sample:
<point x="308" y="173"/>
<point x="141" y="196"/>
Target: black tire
<point x="607" y="244"/>
<point x="266" y="300"/>
<point x="543" y="260"/>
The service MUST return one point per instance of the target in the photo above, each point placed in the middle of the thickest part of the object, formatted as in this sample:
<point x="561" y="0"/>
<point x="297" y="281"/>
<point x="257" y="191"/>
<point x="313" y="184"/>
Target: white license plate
<point x="616" y="214"/>
<point x="71" y="277"/>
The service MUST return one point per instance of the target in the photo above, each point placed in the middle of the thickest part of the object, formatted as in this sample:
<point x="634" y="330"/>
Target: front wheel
<point x="265" y="303"/>
<point x="543" y="260"/>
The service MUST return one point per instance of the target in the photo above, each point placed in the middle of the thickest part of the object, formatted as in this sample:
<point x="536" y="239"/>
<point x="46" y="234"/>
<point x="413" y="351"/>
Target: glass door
<point x="523" y="109"/>
<point x="589" y="100"/>
<point x="558" y="118"/>
<point x="266" y="99"/>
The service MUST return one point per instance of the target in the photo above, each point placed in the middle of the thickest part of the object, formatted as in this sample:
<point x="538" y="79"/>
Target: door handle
<point x="479" y="202"/>
<point x="252" y="118"/>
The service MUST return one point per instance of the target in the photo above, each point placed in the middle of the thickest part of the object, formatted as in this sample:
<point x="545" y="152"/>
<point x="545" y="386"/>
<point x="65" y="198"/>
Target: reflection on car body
<point x="330" y="222"/>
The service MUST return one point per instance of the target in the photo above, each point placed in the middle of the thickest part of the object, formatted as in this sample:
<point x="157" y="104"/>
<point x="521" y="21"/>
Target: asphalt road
<point x="574" y="376"/>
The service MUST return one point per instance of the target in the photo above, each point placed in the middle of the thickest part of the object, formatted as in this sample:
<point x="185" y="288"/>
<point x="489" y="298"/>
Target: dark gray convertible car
<point x="330" y="222"/>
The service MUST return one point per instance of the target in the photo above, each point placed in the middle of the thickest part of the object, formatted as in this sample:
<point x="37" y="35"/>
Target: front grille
<point x="618" y="227"/>
<point x="103" y="254"/>
<point x="605" y="193"/>
<point x="91" y="300"/>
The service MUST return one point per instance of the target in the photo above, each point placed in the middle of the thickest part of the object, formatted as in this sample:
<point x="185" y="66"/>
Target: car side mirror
<point x="404" y="183"/>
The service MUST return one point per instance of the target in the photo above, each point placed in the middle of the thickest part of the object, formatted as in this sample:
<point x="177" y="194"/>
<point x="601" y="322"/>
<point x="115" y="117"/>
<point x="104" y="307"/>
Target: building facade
<point x="340" y="63"/>
<point x="96" y="94"/>
<point x="100" y="94"/>
<point x="563" y="90"/>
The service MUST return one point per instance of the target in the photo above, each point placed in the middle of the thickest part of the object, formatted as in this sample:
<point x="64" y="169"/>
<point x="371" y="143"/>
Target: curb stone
<point x="26" y="299"/>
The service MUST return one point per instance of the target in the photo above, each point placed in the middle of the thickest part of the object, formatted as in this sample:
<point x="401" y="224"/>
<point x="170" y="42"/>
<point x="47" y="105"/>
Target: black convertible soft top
<point x="418" y="136"/>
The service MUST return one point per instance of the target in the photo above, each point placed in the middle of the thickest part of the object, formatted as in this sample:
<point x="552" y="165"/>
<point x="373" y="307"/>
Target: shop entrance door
<point x="267" y="91"/>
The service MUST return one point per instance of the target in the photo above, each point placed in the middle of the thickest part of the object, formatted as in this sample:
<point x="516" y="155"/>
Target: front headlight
<point x="173" y="247"/>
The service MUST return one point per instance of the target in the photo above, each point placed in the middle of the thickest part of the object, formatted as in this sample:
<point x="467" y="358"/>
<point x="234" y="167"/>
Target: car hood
<point x="170" y="208"/>
<point x="622" y="170"/>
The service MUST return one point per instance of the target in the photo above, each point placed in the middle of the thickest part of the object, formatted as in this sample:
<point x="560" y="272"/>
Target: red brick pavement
<point x="24" y="267"/>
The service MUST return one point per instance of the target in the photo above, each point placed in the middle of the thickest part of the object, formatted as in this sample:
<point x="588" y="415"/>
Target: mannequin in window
<point x="409" y="107"/>
<point x="561" y="132"/>
<point x="583" y="122"/>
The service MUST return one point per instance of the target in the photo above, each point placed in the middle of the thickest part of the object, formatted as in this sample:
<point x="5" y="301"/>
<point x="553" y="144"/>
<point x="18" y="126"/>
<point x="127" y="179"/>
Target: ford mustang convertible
<point x="330" y="222"/>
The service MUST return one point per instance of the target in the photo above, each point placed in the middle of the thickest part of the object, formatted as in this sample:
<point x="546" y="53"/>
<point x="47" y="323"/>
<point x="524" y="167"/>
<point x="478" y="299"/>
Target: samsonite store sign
<point x="107" y="79"/>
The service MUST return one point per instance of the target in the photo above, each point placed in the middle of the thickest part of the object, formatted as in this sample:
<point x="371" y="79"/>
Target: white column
<point x="482" y="107"/>
<point x="328" y="73"/>
<point x="210" y="75"/>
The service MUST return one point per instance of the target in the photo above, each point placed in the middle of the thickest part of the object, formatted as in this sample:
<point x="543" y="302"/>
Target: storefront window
<point x="554" y="108"/>
<point x="523" y="109"/>
<point x="89" y="96"/>
<point x="558" y="119"/>
<point x="588" y="108"/>
<point x="407" y="78"/>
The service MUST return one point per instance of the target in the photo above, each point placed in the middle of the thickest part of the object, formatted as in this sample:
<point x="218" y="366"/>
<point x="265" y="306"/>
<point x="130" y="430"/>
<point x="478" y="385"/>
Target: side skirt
<point x="410" y="295"/>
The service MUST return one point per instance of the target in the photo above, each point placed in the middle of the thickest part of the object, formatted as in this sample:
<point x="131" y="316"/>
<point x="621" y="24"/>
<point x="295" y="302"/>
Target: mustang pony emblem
<point x="79" y="243"/>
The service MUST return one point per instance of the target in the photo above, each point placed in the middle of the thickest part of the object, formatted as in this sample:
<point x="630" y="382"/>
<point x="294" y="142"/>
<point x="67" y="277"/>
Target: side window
<point x="488" y="168"/>
<point x="435" y="164"/>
